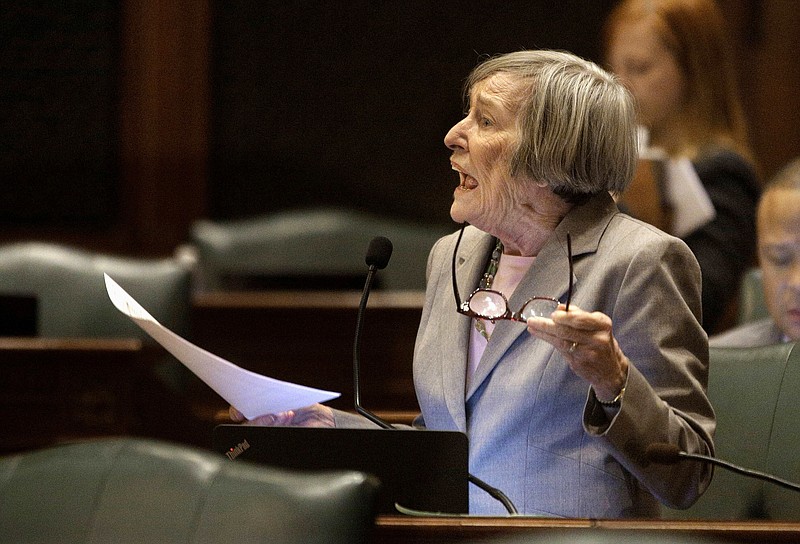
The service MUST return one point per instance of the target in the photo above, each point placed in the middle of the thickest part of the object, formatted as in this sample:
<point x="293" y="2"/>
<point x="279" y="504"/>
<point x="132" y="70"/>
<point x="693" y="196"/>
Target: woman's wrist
<point x="612" y="393"/>
<point x="615" y="401"/>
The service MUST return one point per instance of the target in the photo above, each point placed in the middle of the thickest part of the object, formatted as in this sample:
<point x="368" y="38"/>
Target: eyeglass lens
<point x="493" y="305"/>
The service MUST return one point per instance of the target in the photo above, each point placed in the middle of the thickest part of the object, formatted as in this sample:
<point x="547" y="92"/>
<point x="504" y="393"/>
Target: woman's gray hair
<point x="577" y="122"/>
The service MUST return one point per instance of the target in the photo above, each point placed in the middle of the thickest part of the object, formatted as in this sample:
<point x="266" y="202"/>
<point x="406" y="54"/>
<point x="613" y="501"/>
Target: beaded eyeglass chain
<point x="486" y="283"/>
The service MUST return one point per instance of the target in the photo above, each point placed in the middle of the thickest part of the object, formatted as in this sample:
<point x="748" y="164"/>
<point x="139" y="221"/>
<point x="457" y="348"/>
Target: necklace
<point x="486" y="283"/>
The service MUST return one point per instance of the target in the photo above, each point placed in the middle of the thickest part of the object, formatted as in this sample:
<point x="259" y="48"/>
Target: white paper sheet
<point x="691" y="206"/>
<point x="251" y="393"/>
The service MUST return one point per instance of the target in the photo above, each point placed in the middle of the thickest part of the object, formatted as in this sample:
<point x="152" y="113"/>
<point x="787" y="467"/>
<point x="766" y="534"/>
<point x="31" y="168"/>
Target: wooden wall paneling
<point x="164" y="120"/>
<point x="776" y="70"/>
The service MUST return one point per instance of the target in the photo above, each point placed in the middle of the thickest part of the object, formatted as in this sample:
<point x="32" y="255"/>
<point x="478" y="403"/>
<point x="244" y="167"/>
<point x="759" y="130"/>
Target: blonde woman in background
<point x="675" y="58"/>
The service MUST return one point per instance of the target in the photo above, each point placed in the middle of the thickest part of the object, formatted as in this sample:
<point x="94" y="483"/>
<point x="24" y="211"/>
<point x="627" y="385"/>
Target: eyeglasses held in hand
<point x="493" y="305"/>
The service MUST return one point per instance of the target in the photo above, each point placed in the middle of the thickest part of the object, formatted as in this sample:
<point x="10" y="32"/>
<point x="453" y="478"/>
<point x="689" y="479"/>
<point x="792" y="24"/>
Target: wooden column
<point x="164" y="120"/>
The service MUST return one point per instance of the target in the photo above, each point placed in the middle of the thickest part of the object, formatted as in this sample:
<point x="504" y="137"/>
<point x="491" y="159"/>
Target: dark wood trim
<point x="450" y="530"/>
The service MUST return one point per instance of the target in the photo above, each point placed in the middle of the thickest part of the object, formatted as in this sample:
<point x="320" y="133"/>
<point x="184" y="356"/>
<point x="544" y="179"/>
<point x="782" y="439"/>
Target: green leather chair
<point x="128" y="490"/>
<point x="73" y="303"/>
<point x="783" y="457"/>
<point x="317" y="247"/>
<point x="754" y="392"/>
<point x="71" y="292"/>
<point x="752" y="305"/>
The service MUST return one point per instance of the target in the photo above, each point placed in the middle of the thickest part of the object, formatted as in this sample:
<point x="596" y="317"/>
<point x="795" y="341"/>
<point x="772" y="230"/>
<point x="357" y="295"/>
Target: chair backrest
<point x="71" y="293"/>
<point x="133" y="490"/>
<point x="783" y="457"/>
<point x="752" y="305"/>
<point x="753" y="391"/>
<point x="308" y="245"/>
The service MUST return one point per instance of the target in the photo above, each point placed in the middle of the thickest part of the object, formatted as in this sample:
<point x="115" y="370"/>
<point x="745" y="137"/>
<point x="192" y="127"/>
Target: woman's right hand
<point x="316" y="415"/>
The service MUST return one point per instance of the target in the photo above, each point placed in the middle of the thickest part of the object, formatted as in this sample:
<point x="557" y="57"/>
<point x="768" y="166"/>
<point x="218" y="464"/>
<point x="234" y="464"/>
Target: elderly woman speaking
<point x="561" y="335"/>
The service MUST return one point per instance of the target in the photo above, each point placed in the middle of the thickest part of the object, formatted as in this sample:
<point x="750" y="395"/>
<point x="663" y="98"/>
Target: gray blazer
<point x="763" y="332"/>
<point x="535" y="430"/>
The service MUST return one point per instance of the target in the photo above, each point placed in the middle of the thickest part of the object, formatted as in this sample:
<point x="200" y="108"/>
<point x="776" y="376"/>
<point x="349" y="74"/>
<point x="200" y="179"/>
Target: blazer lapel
<point x="473" y="254"/>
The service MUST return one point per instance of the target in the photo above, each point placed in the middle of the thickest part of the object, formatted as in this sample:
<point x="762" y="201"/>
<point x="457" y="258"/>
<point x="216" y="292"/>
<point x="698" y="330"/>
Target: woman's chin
<point x="465" y="214"/>
<point x="457" y="213"/>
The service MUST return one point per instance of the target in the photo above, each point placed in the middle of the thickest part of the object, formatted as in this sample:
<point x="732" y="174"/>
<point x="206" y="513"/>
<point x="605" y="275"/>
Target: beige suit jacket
<point x="535" y="430"/>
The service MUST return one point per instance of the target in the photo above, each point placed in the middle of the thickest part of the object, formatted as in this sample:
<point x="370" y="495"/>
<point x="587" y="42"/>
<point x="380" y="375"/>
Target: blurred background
<point x="124" y="123"/>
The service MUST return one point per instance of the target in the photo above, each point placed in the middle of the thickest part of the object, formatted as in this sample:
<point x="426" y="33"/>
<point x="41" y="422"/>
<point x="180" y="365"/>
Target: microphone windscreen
<point x="379" y="252"/>
<point x="663" y="453"/>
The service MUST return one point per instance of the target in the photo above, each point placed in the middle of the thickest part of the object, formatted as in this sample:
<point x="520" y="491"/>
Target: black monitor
<point x="418" y="469"/>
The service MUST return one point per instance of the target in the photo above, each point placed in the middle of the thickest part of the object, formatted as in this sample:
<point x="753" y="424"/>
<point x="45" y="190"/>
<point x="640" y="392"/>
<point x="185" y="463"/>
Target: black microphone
<point x="378" y="253"/>
<point x="669" y="454"/>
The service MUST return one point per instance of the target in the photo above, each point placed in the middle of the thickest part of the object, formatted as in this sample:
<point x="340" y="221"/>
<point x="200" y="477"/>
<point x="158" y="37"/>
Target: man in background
<point x="778" y="238"/>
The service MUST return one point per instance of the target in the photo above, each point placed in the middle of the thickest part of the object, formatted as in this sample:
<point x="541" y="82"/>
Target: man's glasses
<point x="492" y="305"/>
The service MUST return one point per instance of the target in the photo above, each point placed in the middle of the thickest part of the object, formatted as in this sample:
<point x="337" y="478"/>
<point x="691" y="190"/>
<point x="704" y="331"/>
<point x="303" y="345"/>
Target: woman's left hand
<point x="588" y="345"/>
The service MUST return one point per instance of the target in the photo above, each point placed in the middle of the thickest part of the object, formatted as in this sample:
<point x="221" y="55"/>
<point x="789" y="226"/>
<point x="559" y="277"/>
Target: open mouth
<point x="466" y="182"/>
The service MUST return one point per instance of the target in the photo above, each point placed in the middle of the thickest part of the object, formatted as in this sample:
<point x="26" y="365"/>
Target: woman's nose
<point x="455" y="137"/>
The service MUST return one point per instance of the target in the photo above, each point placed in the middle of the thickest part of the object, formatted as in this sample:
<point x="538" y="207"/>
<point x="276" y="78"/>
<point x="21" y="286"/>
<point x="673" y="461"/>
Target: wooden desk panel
<point x="61" y="389"/>
<point x="307" y="338"/>
<point x="471" y="529"/>
<point x="55" y="390"/>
